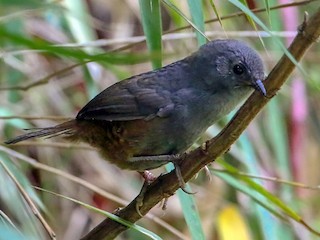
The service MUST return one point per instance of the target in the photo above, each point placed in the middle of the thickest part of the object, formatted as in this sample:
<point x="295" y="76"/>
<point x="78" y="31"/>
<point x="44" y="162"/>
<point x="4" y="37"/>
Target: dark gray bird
<point x="163" y="112"/>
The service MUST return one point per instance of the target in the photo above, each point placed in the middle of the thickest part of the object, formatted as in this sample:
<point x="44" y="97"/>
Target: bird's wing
<point x="135" y="98"/>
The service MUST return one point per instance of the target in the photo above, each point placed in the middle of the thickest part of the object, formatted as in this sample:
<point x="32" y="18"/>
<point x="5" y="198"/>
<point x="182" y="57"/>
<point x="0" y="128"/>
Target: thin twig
<point x="272" y="179"/>
<point x="63" y="174"/>
<point x="44" y="80"/>
<point x="32" y="205"/>
<point x="165" y="37"/>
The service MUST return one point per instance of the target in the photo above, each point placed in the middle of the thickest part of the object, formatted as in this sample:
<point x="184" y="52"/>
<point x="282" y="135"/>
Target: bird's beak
<point x="258" y="85"/>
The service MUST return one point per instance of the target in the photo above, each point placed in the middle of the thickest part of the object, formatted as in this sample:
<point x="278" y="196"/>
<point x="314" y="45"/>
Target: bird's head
<point x="230" y="64"/>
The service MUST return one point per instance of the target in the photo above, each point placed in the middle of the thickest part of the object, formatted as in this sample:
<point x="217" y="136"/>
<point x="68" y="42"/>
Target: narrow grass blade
<point x="152" y="27"/>
<point x="195" y="8"/>
<point x="140" y="229"/>
<point x="190" y="212"/>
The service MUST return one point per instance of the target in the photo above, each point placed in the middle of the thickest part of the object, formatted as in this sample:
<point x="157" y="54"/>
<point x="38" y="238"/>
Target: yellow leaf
<point x="232" y="225"/>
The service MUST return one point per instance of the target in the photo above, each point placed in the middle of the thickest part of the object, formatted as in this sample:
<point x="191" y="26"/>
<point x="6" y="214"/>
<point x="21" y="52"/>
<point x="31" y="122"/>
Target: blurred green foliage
<point x="49" y="69"/>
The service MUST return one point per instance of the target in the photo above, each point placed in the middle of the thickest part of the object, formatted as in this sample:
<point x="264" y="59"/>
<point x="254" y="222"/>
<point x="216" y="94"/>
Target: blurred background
<point x="57" y="55"/>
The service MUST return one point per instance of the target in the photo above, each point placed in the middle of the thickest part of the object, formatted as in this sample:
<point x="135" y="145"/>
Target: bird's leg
<point x="156" y="160"/>
<point x="149" y="177"/>
<point x="159" y="160"/>
<point x="164" y="204"/>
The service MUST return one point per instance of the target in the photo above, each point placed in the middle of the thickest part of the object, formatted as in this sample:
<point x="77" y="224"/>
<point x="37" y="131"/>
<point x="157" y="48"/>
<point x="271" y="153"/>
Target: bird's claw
<point x="182" y="183"/>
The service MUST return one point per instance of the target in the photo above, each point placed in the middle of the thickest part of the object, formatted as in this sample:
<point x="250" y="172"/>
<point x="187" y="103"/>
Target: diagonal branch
<point x="193" y="162"/>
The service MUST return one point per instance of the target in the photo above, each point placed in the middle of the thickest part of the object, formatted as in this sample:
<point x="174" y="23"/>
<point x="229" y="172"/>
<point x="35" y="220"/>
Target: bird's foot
<point x="148" y="179"/>
<point x="208" y="173"/>
<point x="182" y="183"/>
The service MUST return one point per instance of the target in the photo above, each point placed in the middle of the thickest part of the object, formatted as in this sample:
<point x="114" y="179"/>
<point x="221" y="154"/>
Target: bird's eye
<point x="238" y="69"/>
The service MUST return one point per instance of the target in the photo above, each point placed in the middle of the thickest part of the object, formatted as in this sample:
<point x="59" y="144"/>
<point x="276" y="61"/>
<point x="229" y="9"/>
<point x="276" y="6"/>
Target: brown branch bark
<point x="193" y="162"/>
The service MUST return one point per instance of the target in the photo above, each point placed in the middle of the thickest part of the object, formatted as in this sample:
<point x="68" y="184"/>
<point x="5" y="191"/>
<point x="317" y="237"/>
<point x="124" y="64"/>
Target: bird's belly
<point x="119" y="142"/>
<point x="166" y="137"/>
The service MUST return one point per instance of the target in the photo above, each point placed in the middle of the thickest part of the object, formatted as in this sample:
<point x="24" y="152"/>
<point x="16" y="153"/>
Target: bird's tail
<point x="63" y="128"/>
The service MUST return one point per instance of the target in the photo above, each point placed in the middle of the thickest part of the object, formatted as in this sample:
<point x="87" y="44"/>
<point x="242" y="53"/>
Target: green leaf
<point x="77" y="16"/>
<point x="174" y="8"/>
<point x="14" y="204"/>
<point x="107" y="214"/>
<point x="266" y="3"/>
<point x="215" y="9"/>
<point x="8" y="232"/>
<point x="249" y="18"/>
<point x="36" y="44"/>
<point x="268" y="197"/>
<point x="195" y="8"/>
<point x="152" y="27"/>
<point x="190" y="211"/>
